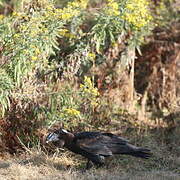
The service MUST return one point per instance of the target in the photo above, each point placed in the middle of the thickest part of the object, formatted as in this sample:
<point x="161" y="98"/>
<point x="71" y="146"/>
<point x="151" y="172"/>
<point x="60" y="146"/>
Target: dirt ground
<point x="39" y="166"/>
<point x="30" y="172"/>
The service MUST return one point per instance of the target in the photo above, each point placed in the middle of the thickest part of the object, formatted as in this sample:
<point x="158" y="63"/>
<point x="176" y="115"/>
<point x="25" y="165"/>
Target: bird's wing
<point x="115" y="139"/>
<point x="99" y="143"/>
<point x="94" y="144"/>
<point x="82" y="135"/>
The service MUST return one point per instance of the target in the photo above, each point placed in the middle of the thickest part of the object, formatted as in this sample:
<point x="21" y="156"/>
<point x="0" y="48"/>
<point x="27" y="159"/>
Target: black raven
<point x="95" y="146"/>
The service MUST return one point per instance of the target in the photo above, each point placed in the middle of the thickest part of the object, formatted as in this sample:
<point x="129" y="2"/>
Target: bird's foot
<point x="89" y="165"/>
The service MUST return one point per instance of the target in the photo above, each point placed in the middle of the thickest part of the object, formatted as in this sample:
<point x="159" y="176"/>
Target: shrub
<point x="47" y="51"/>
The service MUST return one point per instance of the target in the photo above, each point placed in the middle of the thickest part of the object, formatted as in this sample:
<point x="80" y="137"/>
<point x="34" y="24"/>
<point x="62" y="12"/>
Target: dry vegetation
<point x="36" y="165"/>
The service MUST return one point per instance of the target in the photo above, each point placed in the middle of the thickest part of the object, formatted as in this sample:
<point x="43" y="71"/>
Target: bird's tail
<point x="141" y="152"/>
<point x="137" y="151"/>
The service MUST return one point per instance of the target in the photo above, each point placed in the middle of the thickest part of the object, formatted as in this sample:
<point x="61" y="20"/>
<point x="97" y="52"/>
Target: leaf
<point x="54" y="44"/>
<point x="111" y="36"/>
<point x="138" y="49"/>
<point x="98" y="44"/>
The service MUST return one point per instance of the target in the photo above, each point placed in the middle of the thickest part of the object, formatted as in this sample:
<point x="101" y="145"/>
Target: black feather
<point x="96" y="145"/>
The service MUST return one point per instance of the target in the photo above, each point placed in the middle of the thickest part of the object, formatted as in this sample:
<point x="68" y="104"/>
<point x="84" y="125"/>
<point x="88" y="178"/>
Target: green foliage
<point x="37" y="30"/>
<point x="6" y="86"/>
<point x="121" y="17"/>
<point x="38" y="36"/>
<point x="165" y="11"/>
<point x="72" y="107"/>
<point x="30" y="36"/>
<point x="63" y="108"/>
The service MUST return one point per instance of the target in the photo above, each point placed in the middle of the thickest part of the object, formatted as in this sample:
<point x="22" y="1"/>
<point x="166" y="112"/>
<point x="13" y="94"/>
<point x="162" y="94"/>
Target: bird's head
<point x="58" y="137"/>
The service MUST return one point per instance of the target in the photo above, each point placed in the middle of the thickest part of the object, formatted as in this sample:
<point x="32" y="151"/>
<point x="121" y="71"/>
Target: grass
<point x="35" y="164"/>
<point x="50" y="171"/>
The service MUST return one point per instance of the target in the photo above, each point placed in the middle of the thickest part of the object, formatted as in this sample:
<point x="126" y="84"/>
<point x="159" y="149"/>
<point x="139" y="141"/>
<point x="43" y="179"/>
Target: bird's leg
<point x="100" y="165"/>
<point x="101" y="162"/>
<point x="89" y="164"/>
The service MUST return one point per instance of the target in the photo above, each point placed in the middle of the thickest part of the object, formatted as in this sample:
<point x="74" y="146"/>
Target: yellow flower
<point x="65" y="33"/>
<point x="88" y="87"/>
<point x="1" y="17"/>
<point x="71" y="112"/>
<point x="16" y="35"/>
<point x="112" y="8"/>
<point x="130" y="6"/>
<point x="37" y="51"/>
<point x="50" y="7"/>
<point x="81" y="85"/>
<point x="66" y="16"/>
<point x="88" y="82"/>
<point x="137" y="13"/>
<point x="95" y="92"/>
<point x="92" y="55"/>
<point x="34" y="58"/>
<point x="62" y="32"/>
<point x="15" y="14"/>
<point x="72" y="9"/>
<point x="89" y="92"/>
